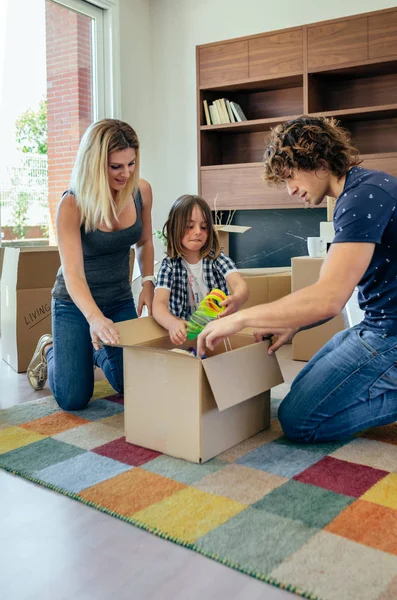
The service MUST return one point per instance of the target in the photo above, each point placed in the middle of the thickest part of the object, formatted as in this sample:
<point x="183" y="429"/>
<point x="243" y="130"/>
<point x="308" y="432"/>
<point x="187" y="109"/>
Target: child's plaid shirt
<point x="173" y="276"/>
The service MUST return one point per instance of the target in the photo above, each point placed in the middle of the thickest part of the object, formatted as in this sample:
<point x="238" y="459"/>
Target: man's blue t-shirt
<point x="366" y="212"/>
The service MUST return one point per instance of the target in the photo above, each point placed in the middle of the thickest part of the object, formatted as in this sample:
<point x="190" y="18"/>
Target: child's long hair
<point x="90" y="182"/>
<point x="178" y="220"/>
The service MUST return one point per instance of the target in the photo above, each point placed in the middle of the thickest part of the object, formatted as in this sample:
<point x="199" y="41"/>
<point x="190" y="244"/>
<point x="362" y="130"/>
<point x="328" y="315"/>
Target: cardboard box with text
<point x="27" y="280"/>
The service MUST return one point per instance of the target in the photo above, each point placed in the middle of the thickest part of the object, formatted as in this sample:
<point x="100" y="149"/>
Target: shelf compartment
<point x="251" y="126"/>
<point x="232" y="148"/>
<point x="260" y="104"/>
<point x="342" y="90"/>
<point x="373" y="136"/>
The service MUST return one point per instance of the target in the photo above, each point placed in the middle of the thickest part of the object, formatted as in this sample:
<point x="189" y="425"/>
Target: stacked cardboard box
<point x="305" y="272"/>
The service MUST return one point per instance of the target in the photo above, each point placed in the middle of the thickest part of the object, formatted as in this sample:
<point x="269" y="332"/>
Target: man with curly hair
<point x="351" y="383"/>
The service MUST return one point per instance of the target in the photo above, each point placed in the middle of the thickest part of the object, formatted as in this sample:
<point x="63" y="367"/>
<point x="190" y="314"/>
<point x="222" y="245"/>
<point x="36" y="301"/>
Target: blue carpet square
<point x="80" y="472"/>
<point x="279" y="459"/>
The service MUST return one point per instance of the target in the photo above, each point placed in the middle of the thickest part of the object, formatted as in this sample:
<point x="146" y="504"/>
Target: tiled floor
<point x="54" y="548"/>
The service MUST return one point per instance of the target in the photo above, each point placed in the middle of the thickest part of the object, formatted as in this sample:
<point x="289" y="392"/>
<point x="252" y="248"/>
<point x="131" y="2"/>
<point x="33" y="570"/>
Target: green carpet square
<point x="257" y="539"/>
<point x="39" y="455"/>
<point x="313" y="506"/>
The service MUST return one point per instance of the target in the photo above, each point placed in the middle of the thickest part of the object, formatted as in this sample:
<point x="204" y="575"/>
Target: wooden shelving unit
<point x="345" y="68"/>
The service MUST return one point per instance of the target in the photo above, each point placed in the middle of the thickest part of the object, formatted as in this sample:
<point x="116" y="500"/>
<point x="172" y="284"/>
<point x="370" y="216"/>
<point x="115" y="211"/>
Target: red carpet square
<point x="126" y="453"/>
<point x="342" y="477"/>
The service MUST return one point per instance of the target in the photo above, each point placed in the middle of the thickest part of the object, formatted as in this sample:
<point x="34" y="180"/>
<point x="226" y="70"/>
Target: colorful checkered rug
<point x="320" y="521"/>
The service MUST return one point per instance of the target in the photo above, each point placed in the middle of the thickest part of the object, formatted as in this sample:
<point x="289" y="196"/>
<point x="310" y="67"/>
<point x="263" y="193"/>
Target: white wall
<point x="166" y="43"/>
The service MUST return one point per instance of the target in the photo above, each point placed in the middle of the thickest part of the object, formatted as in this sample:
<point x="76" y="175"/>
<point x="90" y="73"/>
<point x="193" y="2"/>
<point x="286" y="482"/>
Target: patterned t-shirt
<point x="366" y="212"/>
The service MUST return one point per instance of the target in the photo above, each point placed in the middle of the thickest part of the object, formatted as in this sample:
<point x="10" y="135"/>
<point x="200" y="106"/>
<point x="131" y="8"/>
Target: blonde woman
<point x="106" y="210"/>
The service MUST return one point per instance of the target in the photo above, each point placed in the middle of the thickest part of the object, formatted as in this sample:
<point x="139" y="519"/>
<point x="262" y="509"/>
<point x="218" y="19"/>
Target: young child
<point x="193" y="267"/>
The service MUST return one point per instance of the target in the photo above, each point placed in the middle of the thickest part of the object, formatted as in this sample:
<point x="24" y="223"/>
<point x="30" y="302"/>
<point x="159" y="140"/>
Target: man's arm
<point x="342" y="270"/>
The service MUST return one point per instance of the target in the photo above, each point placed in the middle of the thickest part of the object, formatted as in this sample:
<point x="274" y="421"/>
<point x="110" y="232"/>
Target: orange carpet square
<point x="369" y="524"/>
<point x="56" y="423"/>
<point x="132" y="491"/>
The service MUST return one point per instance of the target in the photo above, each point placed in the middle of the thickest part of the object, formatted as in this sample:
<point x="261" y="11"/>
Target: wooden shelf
<point x="332" y="70"/>
<point x="262" y="84"/>
<point x="247" y="126"/>
<point x="386" y="111"/>
<point x="231" y="166"/>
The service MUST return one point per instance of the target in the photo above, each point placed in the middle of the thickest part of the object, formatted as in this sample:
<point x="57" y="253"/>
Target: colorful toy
<point x="208" y="309"/>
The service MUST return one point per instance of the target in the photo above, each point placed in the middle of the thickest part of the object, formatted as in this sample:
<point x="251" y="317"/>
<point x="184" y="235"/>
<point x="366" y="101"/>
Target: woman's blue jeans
<point x="72" y="357"/>
<point x="348" y="386"/>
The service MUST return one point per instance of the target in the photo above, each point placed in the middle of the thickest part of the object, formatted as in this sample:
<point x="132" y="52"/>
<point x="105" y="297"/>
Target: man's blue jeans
<point x="348" y="386"/>
<point x="72" y="357"/>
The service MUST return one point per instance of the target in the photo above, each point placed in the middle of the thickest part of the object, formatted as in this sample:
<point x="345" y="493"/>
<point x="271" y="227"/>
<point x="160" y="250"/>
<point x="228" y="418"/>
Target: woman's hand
<point x="283" y="337"/>
<point x="146" y="298"/>
<point x="102" y="330"/>
<point x="177" y="331"/>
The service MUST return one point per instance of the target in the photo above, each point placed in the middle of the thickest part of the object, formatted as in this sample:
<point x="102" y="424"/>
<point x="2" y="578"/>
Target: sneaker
<point x="37" y="369"/>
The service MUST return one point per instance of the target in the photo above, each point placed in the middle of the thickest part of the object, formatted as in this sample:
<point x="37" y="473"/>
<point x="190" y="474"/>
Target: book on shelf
<point x="238" y="112"/>
<point x="221" y="111"/>
<point x="230" y="112"/>
<point x="206" y="112"/>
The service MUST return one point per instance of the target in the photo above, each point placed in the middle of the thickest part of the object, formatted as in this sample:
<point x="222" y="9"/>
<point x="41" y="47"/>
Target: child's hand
<point x="232" y="304"/>
<point x="177" y="331"/>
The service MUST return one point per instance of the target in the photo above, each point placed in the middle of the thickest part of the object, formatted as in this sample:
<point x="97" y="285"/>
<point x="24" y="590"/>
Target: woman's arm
<point x="161" y="312"/>
<point x="144" y="248"/>
<point x="239" y="294"/>
<point x="71" y="252"/>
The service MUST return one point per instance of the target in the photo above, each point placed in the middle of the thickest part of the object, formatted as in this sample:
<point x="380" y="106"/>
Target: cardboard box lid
<point x="232" y="228"/>
<point x="31" y="267"/>
<point x="241" y="374"/>
<point x="140" y="331"/>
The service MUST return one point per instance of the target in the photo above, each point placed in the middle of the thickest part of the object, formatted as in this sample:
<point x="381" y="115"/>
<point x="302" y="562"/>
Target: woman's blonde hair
<point x="90" y="182"/>
<point x="178" y="220"/>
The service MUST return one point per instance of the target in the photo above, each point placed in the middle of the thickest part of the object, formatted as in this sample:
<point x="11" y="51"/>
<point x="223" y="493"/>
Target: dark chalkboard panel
<point x="275" y="236"/>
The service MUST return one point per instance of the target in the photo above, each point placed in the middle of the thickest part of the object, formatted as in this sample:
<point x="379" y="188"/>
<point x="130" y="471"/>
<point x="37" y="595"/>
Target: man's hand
<point x="283" y="337"/>
<point x="216" y="331"/>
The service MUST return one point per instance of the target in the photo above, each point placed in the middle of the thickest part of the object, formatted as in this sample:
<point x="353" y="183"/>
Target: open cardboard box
<point x="192" y="408"/>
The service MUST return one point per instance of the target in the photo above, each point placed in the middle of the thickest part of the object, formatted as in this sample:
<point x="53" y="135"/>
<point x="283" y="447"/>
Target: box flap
<point x="232" y="228"/>
<point x="140" y="331"/>
<point x="32" y="267"/>
<point x="241" y="374"/>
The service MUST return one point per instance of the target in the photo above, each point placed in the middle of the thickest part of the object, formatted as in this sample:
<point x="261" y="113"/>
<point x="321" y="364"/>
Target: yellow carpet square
<point x="16" y="437"/>
<point x="102" y="389"/>
<point x="189" y="514"/>
<point x="384" y="492"/>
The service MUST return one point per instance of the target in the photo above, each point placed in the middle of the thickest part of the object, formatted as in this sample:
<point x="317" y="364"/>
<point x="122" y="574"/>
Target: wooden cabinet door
<point x="382" y="35"/>
<point x="277" y="54"/>
<point x="337" y="43"/>
<point x="241" y="187"/>
<point x="223" y="63"/>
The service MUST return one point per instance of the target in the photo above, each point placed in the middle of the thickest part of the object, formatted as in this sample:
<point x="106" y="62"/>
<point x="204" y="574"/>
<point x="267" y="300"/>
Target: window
<point x="57" y="80"/>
